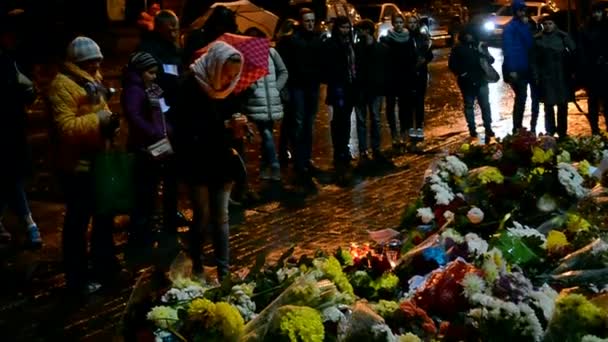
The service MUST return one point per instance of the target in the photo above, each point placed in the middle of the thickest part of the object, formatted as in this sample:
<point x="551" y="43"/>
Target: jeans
<point x="306" y="105"/>
<point x="562" y="120"/>
<point x="535" y="94"/>
<point x="481" y="94"/>
<point x="268" y="150"/>
<point x="414" y="115"/>
<point x="79" y="208"/>
<point x="391" y="101"/>
<point x="520" y="87"/>
<point x="597" y="95"/>
<point x="12" y="195"/>
<point x="210" y="207"/>
<point x="370" y="104"/>
<point x="149" y="173"/>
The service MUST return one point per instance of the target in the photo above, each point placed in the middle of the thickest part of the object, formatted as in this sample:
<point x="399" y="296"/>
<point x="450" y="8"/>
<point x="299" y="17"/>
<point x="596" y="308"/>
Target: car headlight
<point x="489" y="26"/>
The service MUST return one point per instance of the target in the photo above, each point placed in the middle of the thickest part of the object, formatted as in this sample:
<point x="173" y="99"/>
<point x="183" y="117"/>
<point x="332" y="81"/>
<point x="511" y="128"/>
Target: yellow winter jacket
<point x="75" y="119"/>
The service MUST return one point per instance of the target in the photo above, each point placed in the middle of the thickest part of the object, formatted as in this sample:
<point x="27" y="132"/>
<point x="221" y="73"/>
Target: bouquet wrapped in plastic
<point x="306" y="291"/>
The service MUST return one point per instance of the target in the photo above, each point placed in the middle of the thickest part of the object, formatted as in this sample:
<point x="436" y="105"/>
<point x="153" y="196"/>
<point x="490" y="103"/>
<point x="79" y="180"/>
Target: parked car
<point x="493" y="23"/>
<point x="325" y="14"/>
<point x="381" y="14"/>
<point x="444" y="19"/>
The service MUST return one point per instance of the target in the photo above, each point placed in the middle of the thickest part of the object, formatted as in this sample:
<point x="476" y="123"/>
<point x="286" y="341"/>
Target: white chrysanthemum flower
<point x="472" y="284"/>
<point x="592" y="338"/>
<point x="455" y="166"/>
<point x="520" y="231"/>
<point x="332" y="314"/>
<point x="544" y="298"/>
<point x="546" y="203"/>
<point x="477" y="245"/>
<point x="443" y="193"/>
<point x="530" y="322"/>
<point x="425" y="214"/>
<point x="570" y="178"/>
<point x="475" y="215"/>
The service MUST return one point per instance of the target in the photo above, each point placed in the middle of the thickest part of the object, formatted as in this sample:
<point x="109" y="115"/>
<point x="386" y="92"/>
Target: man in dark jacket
<point x="370" y="59"/>
<point x="421" y="47"/>
<point x="517" y="42"/>
<point x="464" y="62"/>
<point x="162" y="44"/>
<point x="594" y="54"/>
<point x="302" y="54"/>
<point x="16" y="90"/>
<point x="341" y="74"/>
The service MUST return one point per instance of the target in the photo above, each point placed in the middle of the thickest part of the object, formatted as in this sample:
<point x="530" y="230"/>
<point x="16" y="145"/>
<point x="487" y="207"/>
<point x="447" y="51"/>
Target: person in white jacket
<point x="264" y="106"/>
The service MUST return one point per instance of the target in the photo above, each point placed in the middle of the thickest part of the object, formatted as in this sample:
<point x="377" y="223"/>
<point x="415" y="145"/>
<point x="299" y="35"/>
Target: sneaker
<point x="265" y="173"/>
<point x="490" y="133"/>
<point x="91" y="288"/>
<point x="275" y="174"/>
<point x="420" y="134"/>
<point x="34" y="238"/>
<point x="411" y="133"/>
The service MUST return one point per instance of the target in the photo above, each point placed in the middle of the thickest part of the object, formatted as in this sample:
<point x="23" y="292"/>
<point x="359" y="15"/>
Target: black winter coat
<point x="464" y="63"/>
<point x="372" y="69"/>
<point x="13" y="121"/>
<point x="165" y="53"/>
<point x="401" y="63"/>
<point x="302" y="54"/>
<point x="202" y="142"/>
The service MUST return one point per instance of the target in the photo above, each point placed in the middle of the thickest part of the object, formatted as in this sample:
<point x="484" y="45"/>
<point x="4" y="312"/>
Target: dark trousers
<point x="149" y="175"/>
<point x="369" y="104"/>
<point x="597" y="95"/>
<point x="287" y="136"/>
<point x="481" y="94"/>
<point x="306" y="105"/>
<point x="520" y="88"/>
<point x="562" y="120"/>
<point x="415" y="106"/>
<point x="340" y="132"/>
<point x="79" y="209"/>
<point x="535" y="97"/>
<point x="210" y="207"/>
<point x="402" y="102"/>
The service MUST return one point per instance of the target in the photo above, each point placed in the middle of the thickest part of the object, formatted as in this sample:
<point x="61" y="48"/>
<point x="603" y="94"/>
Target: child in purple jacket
<point x="145" y="110"/>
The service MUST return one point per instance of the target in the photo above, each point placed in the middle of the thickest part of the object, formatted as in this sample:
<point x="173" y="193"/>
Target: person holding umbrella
<point x="203" y="145"/>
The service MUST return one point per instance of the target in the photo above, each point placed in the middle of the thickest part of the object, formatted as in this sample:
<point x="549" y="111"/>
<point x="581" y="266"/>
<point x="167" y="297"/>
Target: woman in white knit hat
<point x="203" y="146"/>
<point x="82" y="122"/>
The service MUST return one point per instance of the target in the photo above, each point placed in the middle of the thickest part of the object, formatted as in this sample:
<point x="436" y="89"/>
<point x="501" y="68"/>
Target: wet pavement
<point x="34" y="307"/>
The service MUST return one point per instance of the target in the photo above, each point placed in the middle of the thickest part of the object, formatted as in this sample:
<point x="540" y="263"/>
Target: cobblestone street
<point x="32" y="281"/>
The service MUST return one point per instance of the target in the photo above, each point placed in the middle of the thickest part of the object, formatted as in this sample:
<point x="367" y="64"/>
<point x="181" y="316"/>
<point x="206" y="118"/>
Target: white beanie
<point x="83" y="49"/>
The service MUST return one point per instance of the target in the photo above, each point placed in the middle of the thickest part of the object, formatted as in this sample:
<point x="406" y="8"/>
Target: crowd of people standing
<point x="186" y="123"/>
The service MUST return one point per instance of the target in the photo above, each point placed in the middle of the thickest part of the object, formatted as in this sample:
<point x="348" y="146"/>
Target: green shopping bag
<point x="114" y="183"/>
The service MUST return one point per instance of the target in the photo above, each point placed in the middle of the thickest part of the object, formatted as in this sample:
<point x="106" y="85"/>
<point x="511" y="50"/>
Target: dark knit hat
<point x="142" y="61"/>
<point x="518" y="5"/>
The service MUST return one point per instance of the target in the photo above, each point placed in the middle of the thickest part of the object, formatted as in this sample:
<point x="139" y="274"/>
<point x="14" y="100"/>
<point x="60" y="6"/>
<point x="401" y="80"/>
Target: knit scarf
<point x="207" y="70"/>
<point x="399" y="37"/>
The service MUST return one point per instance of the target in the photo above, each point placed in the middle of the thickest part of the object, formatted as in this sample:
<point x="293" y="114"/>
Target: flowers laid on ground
<point x="506" y="242"/>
